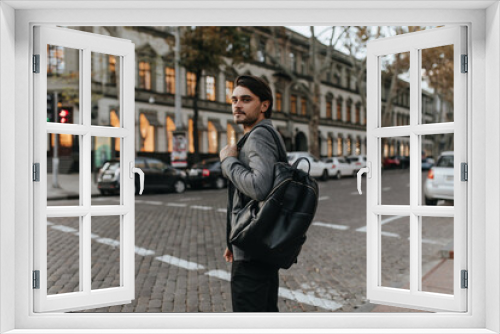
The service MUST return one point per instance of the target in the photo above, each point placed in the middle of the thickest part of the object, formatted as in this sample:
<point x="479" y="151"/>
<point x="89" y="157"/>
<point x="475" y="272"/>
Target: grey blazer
<point x="252" y="174"/>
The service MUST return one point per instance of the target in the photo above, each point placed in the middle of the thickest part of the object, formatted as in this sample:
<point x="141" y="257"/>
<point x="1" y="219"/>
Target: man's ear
<point x="264" y="107"/>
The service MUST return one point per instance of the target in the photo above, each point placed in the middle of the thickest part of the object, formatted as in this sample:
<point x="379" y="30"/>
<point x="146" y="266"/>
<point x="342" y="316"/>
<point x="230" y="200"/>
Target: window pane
<point x="437" y="75"/>
<point x="106" y="170"/>
<point x="395" y="94"/>
<point x="395" y="257"/>
<point x="395" y="177"/>
<point x="63" y="255"/>
<point x="63" y="85"/>
<point x="105" y="90"/>
<point x="437" y="252"/>
<point x="438" y="169"/>
<point x="63" y="169"/>
<point x="105" y="254"/>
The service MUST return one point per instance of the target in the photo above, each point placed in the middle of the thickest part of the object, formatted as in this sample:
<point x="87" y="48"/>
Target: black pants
<point x="254" y="287"/>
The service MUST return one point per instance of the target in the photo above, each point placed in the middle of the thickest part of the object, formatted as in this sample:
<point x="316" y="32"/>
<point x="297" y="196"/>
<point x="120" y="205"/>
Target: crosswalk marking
<point x="323" y="198"/>
<point x="153" y="202"/>
<point x="334" y="226"/>
<point x="222" y="210"/>
<point x="175" y="261"/>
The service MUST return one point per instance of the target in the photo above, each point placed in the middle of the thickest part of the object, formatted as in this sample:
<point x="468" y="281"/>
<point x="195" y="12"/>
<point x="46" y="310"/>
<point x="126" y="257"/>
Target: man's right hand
<point x="228" y="255"/>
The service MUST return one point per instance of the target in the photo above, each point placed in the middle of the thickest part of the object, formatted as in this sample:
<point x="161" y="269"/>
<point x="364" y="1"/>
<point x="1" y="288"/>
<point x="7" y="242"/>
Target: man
<point x="254" y="285"/>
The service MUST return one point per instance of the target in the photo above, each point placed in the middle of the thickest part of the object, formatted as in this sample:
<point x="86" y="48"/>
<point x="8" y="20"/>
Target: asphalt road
<point x="180" y="239"/>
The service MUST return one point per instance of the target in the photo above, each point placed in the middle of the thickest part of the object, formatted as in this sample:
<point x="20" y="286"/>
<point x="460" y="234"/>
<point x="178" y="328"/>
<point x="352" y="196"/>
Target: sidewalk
<point x="439" y="279"/>
<point x="69" y="187"/>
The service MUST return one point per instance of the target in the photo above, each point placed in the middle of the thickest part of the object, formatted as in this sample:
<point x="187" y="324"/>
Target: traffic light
<point x="50" y="107"/>
<point x="65" y="115"/>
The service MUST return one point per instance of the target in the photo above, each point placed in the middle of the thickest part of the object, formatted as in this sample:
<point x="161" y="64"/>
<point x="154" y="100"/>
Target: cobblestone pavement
<point x="180" y="240"/>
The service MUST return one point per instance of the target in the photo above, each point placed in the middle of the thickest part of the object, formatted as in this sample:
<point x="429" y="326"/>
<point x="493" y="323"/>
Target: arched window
<point x="170" y="127"/>
<point x="303" y="106"/>
<point x="279" y="101"/>
<point x="231" y="135"/>
<point x="357" y="113"/>
<point x="229" y="91"/>
<point x="145" y="81"/>
<point x="170" y="80"/>
<point x="348" y="111"/>
<point x="329" y="106"/>
<point x="358" y="146"/>
<point x="340" y="145"/>
<point x="147" y="132"/>
<point x="339" y="109"/>
<point x="293" y="104"/>
<point x="349" y="146"/>
<point x="213" y="138"/>
<point x="329" y="146"/>
<point x="191" y="83"/>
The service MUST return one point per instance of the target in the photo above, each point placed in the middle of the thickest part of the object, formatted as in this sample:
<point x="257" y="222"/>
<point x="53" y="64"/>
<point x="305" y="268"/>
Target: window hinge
<point x="36" y="63"/>
<point x="36" y="279"/>
<point x="464" y="171"/>
<point x="36" y="172"/>
<point x="465" y="64"/>
<point x="465" y="279"/>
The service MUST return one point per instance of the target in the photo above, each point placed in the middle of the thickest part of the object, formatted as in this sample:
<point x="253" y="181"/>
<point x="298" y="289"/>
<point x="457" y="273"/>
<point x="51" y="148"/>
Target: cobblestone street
<point x="180" y="240"/>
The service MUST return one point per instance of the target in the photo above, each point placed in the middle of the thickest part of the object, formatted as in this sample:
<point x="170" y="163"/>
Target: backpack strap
<point x="282" y="157"/>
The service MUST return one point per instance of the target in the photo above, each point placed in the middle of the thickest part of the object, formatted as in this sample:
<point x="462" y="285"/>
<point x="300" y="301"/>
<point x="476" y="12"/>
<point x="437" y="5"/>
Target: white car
<point x="318" y="168"/>
<point x="358" y="161"/>
<point x="439" y="183"/>
<point x="338" y="167"/>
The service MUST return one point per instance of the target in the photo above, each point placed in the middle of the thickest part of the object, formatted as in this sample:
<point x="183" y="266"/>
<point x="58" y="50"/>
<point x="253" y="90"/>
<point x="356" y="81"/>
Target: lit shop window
<point x="358" y="146"/>
<point x="330" y="147"/>
<point x="144" y="75"/>
<point x="339" y="110"/>
<point x="147" y="135"/>
<point x="115" y="122"/>
<point x="170" y="80"/>
<point x="112" y="69"/>
<point x="340" y="146"/>
<point x="210" y="86"/>
<point x="349" y="147"/>
<point x="213" y="138"/>
<point x="231" y="135"/>
<point x="229" y="91"/>
<point x="329" y="109"/>
<point x="170" y="134"/>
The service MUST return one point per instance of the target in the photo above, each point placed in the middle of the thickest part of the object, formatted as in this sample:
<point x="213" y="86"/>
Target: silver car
<point x="439" y="182"/>
<point x="318" y="168"/>
<point x="339" y="167"/>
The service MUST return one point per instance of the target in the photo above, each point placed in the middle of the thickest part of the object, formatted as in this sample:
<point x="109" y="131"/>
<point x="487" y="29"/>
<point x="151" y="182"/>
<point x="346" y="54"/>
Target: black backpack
<point x="274" y="230"/>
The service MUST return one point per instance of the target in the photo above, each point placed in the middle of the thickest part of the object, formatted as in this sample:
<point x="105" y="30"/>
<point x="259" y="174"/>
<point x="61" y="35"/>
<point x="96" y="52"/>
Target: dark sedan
<point x="207" y="173"/>
<point x="157" y="176"/>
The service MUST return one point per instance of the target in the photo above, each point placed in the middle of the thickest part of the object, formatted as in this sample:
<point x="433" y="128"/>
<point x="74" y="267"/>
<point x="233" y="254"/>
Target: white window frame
<point x="484" y="212"/>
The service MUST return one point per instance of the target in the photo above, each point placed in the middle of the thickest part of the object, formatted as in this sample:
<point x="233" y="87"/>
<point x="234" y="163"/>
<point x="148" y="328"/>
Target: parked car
<point x="439" y="182"/>
<point x="427" y="163"/>
<point x="391" y="162"/>
<point x="358" y="161"/>
<point x="339" y="167"/>
<point x="157" y="176"/>
<point x="207" y="173"/>
<point x="318" y="168"/>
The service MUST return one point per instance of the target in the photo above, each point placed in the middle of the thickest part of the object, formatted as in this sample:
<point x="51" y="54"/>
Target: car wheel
<point x="338" y="176"/>
<point x="219" y="183"/>
<point x="429" y="201"/>
<point x="324" y="176"/>
<point x="179" y="186"/>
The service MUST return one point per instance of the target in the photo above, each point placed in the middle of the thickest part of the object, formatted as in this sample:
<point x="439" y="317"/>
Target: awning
<point x="236" y="127"/>
<point x="152" y="117"/>
<point x="283" y="130"/>
<point x="216" y="123"/>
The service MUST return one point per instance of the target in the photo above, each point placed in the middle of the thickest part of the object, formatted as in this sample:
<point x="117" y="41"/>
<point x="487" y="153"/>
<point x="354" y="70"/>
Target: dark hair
<point x="260" y="88"/>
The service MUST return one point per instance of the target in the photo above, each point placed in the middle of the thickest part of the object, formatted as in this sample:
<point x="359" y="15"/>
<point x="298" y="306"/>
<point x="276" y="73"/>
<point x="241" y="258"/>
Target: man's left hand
<point x="228" y="151"/>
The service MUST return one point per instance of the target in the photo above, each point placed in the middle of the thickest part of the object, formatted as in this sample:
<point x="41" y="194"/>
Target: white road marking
<point x="107" y="241"/>
<point x="296" y="295"/>
<point x="432" y="242"/>
<point x="221" y="274"/>
<point x="190" y="199"/>
<point x="181" y="205"/>
<point x="385" y="221"/>
<point x="199" y="207"/>
<point x="63" y="228"/>
<point x="355" y="193"/>
<point x="323" y="198"/>
<point x="222" y="210"/>
<point x="143" y="251"/>
<point x="153" y="202"/>
<point x="389" y="234"/>
<point x="386" y="189"/>
<point x="334" y="226"/>
<point x="175" y="261"/>
<point x="49" y="223"/>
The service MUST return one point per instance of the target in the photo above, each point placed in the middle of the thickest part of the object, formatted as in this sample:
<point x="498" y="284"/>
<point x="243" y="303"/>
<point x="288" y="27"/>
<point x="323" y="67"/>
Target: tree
<point x="207" y="49"/>
<point x="318" y="64"/>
